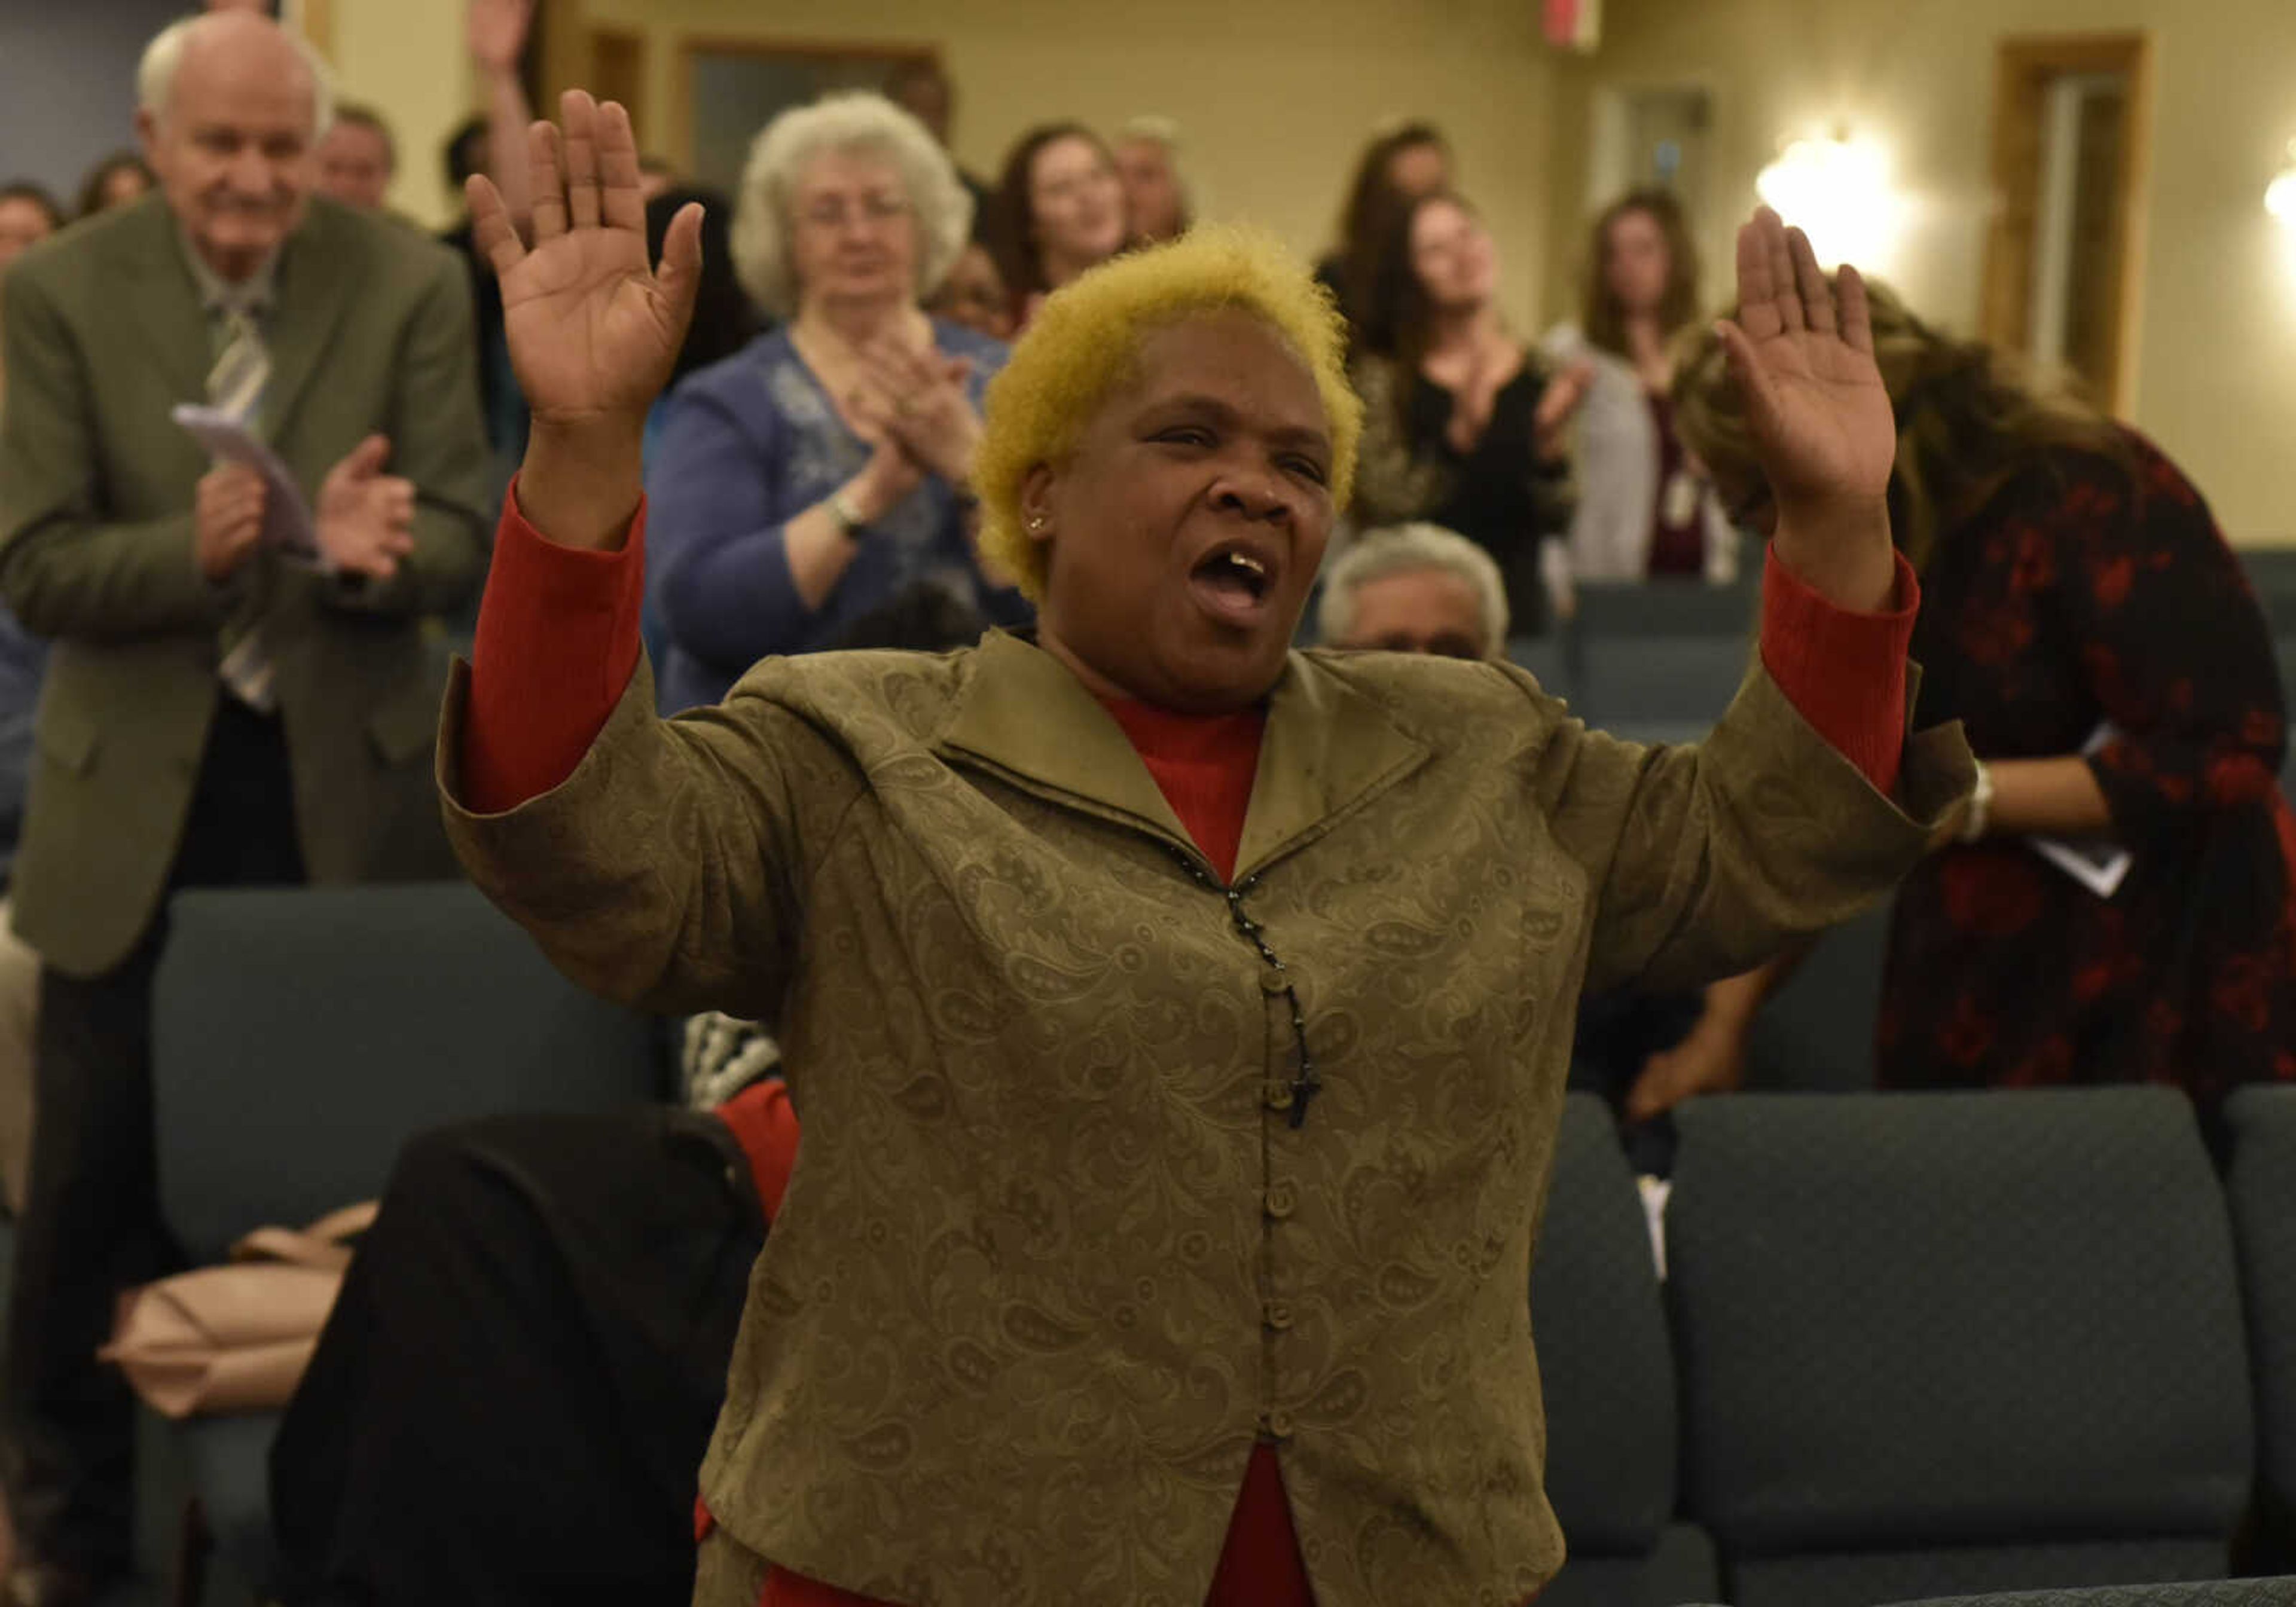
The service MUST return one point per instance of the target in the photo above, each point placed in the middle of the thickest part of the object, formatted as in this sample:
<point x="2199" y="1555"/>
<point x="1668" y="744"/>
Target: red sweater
<point x="552" y="616"/>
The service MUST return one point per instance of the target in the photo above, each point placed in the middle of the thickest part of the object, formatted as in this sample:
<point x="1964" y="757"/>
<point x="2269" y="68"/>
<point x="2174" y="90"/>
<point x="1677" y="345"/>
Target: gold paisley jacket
<point x="1057" y="1253"/>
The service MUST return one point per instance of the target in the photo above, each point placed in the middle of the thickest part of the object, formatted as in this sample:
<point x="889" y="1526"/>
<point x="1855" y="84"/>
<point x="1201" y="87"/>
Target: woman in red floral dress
<point x="2083" y="616"/>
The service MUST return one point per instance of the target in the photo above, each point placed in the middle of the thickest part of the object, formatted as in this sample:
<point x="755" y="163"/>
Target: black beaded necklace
<point x="1305" y="1084"/>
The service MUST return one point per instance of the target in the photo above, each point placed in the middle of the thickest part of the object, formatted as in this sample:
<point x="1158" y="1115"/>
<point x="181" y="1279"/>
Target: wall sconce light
<point x="1836" y="191"/>
<point x="2280" y="195"/>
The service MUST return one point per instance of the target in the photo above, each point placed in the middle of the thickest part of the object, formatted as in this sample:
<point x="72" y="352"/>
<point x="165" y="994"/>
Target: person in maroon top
<point x="2084" y="619"/>
<point x="592" y="332"/>
<point x="1646" y="509"/>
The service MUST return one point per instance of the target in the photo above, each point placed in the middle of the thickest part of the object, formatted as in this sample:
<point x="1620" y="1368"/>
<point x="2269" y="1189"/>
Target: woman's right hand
<point x="1710" y="1060"/>
<point x="594" y="332"/>
<point x="1557" y="405"/>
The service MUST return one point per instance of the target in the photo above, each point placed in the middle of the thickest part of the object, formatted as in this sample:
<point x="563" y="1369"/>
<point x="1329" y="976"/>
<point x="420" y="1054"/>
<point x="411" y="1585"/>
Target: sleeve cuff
<point x="766" y="1127"/>
<point x="1845" y="671"/>
<point x="558" y="640"/>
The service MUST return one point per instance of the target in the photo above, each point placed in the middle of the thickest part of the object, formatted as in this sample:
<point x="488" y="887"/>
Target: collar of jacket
<point x="1328" y="750"/>
<point x="318" y="274"/>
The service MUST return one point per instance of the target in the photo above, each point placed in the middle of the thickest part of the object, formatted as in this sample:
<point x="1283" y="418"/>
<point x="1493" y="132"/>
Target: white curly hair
<point x="1406" y="549"/>
<point x="859" y="122"/>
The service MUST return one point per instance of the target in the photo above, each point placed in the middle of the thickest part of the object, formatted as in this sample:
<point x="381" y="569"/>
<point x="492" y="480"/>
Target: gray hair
<point x="858" y="122"/>
<point x="1163" y="131"/>
<point x="155" y="74"/>
<point x="1406" y="549"/>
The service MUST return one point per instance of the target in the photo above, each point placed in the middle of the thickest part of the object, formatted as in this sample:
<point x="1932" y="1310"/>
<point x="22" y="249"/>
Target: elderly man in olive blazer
<point x="218" y="711"/>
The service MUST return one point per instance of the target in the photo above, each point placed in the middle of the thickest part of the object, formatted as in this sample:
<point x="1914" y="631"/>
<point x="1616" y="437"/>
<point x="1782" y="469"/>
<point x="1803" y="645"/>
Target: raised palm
<point x="1802" y="352"/>
<point x="594" y="330"/>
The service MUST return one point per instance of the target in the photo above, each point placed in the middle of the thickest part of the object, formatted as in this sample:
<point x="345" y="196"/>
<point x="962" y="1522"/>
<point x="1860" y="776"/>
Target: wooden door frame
<point x="644" y="115"/>
<point x="2023" y="65"/>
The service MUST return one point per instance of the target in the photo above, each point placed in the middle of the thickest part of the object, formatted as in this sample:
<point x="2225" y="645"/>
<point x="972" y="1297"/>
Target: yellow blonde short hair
<point x="1085" y="344"/>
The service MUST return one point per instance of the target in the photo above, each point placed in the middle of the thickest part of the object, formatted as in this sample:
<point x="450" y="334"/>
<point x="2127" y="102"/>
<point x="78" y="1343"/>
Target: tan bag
<point x="236" y="1338"/>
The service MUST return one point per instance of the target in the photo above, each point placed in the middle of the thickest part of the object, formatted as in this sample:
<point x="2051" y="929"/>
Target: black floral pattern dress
<point x="2085" y="593"/>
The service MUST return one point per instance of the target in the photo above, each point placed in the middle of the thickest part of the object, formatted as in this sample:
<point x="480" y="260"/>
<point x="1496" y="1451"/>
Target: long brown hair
<point x="1370" y="207"/>
<point x="1603" y="319"/>
<point x="1013" y="242"/>
<point x="1397" y="319"/>
<point x="1968" y="419"/>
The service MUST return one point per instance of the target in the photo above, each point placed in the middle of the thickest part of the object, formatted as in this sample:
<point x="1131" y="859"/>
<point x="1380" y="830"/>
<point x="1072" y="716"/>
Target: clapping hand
<point x="917" y="398"/>
<point x="365" y="517"/>
<point x="228" y="518"/>
<point x="594" y="330"/>
<point x="1557" y="403"/>
<point x="1802" y="355"/>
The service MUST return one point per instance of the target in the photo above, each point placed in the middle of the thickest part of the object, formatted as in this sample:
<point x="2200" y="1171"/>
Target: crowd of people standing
<point x="233" y="690"/>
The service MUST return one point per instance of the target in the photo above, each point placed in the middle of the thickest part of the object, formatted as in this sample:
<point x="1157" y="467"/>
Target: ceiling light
<point x="1836" y="191"/>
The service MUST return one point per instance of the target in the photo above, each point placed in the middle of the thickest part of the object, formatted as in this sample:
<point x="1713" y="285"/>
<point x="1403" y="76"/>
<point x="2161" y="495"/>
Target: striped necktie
<point x="236" y="386"/>
<point x="243" y="368"/>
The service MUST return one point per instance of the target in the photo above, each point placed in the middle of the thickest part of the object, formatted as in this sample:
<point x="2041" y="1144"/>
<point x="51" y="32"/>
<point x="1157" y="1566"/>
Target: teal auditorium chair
<point x="1548" y="660"/>
<point x="1956" y="1342"/>
<point x="2262" y="1184"/>
<point x="1660" y="662"/>
<point x="2219" y="1592"/>
<point x="299" y="1037"/>
<point x="1607" y="1374"/>
<point x="1815" y="1034"/>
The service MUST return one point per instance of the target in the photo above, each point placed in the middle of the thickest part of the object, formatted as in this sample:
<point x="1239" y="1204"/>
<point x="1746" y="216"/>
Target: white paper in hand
<point x="286" y="516"/>
<point x="2098" y="863"/>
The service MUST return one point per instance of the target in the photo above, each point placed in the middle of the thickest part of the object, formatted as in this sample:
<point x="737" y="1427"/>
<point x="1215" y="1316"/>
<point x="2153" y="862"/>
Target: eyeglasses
<point x="874" y="210"/>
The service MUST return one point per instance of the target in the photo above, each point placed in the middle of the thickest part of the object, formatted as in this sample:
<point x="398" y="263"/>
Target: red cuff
<point x="557" y="643"/>
<point x="1844" y="671"/>
<point x="765" y="1127"/>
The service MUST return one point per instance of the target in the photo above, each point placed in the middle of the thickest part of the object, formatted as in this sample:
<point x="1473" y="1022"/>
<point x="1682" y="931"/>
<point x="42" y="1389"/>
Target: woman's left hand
<point x="1802" y="354"/>
<point x="923" y="406"/>
<point x="1557" y="404"/>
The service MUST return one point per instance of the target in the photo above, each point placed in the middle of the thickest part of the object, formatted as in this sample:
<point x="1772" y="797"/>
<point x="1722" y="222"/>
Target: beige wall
<point x="1275" y="96"/>
<point x="2217" y="354"/>
<point x="404" y="58"/>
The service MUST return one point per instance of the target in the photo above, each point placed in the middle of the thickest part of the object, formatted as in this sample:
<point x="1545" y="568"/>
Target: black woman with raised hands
<point x="1179" y="1022"/>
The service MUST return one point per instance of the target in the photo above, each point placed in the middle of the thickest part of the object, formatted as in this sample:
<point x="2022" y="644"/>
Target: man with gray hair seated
<point x="223" y="706"/>
<point x="1415" y="588"/>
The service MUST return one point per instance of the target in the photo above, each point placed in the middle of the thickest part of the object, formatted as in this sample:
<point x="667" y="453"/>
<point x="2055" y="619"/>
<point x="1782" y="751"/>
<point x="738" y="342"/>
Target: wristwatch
<point x="848" y="517"/>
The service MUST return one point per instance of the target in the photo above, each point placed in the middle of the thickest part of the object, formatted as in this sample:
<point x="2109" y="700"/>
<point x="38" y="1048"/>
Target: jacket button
<point x="1278" y="1095"/>
<point x="1283" y="1200"/>
<point x="1279" y="1314"/>
<point x="1274" y="979"/>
